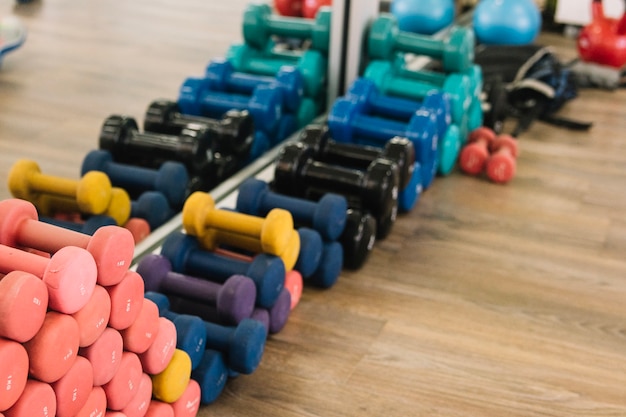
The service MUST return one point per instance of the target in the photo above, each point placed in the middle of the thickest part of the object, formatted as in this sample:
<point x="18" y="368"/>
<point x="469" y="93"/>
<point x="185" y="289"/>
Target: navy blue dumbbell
<point x="288" y="80"/>
<point x="190" y="330"/>
<point x="171" y="178"/>
<point x="153" y="207"/>
<point x="89" y="227"/>
<point x="233" y="300"/>
<point x="327" y="216"/>
<point x="186" y="256"/>
<point x="265" y="104"/>
<point x="329" y="269"/>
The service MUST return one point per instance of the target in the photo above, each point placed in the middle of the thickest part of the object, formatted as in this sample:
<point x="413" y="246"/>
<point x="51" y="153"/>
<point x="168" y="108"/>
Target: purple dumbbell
<point x="233" y="300"/>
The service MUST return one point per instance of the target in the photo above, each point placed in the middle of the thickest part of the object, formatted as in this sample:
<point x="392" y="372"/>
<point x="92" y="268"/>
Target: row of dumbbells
<point x="77" y="336"/>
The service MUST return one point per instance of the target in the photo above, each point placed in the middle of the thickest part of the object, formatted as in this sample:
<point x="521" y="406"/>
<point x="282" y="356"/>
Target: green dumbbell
<point x="456" y="51"/>
<point x="260" y="23"/>
<point x="312" y="65"/>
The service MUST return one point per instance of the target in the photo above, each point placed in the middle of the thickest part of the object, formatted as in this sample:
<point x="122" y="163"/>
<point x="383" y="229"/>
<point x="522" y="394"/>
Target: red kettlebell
<point x="603" y="41"/>
<point x="291" y="8"/>
<point x="310" y="7"/>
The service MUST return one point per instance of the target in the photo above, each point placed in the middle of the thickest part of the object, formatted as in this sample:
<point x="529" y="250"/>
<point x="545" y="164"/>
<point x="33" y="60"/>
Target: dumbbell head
<point x="93" y="317"/>
<point x="123" y="386"/>
<point x="422" y="131"/>
<point x="474" y="155"/>
<point x="153" y="207"/>
<point x="189" y="402"/>
<point x="246" y="347"/>
<point x="72" y="389"/>
<point x="358" y="238"/>
<point x="211" y="374"/>
<point x="170" y="384"/>
<point x="330" y="266"/>
<point x="160" y="352"/>
<point x="105" y="355"/>
<point x="114" y="132"/>
<point x="23" y="304"/>
<point x="501" y="165"/>
<point x="139" y="402"/>
<point x="37" y="399"/>
<point x="96" y="404"/>
<point x="13" y="372"/>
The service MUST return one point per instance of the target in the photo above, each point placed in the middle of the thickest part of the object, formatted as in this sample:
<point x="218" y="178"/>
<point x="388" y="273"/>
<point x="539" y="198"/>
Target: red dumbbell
<point x="96" y="404"/>
<point x="139" y="336"/>
<point x="94" y="317"/>
<point x="126" y="300"/>
<point x="13" y="372"/>
<point x="70" y="274"/>
<point x="189" y="403"/>
<point x="291" y="8"/>
<point x="23" y="305"/>
<point x="54" y="348"/>
<point x="105" y="355"/>
<point x="474" y="155"/>
<point x="111" y="413"/>
<point x="159" y="409"/>
<point x="112" y="247"/>
<point x="138" y="405"/>
<point x="139" y="228"/>
<point x="37" y="400"/>
<point x="501" y="165"/>
<point x="124" y="384"/>
<point x="72" y="390"/>
<point x="159" y="354"/>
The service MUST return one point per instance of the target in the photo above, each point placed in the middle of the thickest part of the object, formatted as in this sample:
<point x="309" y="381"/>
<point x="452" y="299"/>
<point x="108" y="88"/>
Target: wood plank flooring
<point x="486" y="300"/>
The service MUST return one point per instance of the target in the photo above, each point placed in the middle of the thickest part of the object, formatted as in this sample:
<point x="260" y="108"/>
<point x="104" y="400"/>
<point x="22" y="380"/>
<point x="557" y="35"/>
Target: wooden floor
<point x="486" y="300"/>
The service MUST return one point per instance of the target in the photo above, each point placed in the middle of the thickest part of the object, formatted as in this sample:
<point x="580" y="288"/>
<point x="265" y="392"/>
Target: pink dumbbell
<point x="94" y="317"/>
<point x="72" y="389"/>
<point x="70" y="274"/>
<point x="158" y="356"/>
<point x="159" y="409"/>
<point x="23" y="305"/>
<point x="125" y="383"/>
<point x="112" y="247"/>
<point x="105" y="355"/>
<point x="53" y="350"/>
<point x="13" y="372"/>
<point x="189" y="403"/>
<point x="126" y="300"/>
<point x="37" y="400"/>
<point x="139" y="336"/>
<point x="501" y="165"/>
<point x="294" y="284"/>
<point x="111" y="413"/>
<point x="96" y="404"/>
<point x="138" y="405"/>
<point x="474" y="155"/>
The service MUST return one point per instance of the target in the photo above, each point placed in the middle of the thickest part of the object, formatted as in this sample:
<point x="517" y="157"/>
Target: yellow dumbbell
<point x="169" y="385"/>
<point x="119" y="205"/>
<point x="202" y="219"/>
<point x="92" y="192"/>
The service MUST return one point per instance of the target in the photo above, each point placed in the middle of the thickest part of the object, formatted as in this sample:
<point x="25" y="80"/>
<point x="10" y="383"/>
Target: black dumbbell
<point x="233" y="134"/>
<point x="358" y="238"/>
<point x="373" y="190"/>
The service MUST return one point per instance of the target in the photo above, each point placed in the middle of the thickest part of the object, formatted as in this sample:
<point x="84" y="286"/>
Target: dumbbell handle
<point x="385" y="128"/>
<point x="292" y="27"/>
<point x="89" y="227"/>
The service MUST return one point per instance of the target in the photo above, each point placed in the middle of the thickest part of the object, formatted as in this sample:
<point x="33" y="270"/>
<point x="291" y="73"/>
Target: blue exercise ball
<point x="507" y="22"/>
<point x="423" y="16"/>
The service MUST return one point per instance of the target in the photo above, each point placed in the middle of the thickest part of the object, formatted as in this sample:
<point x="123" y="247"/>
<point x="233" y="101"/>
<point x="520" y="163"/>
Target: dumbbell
<point x="138" y="337"/>
<point x="186" y="256"/>
<point x="223" y="77"/>
<point x="234" y="299"/>
<point x="139" y="403"/>
<point x="502" y="162"/>
<point x="23" y="305"/>
<point x="171" y="178"/>
<point x="201" y="217"/>
<point x="474" y="155"/>
<point x="260" y="23"/>
<point x="105" y="355"/>
<point x="13" y="372"/>
<point x="311" y="64"/>
<point x="189" y="403"/>
<point x="70" y="274"/>
<point x="153" y="207"/>
<point x="265" y="104"/>
<point x="95" y="405"/>
<point x="88" y="227"/>
<point x="170" y="384"/>
<point x="374" y="189"/>
<point x="124" y="384"/>
<point x="157" y="357"/>
<point x="211" y="374"/>
<point x="157" y="408"/>
<point x="111" y="247"/>
<point x="456" y="50"/>
<point x="53" y="350"/>
<point x="358" y="238"/>
<point x="38" y="399"/>
<point x="126" y="300"/>
<point x="327" y="273"/>
<point x="93" y="318"/>
<point x="72" y="389"/>
<point x="92" y="192"/>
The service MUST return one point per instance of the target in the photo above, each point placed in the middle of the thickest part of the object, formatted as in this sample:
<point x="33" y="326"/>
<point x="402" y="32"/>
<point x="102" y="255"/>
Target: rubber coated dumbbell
<point x="138" y="337"/>
<point x="13" y="372"/>
<point x="123" y="386"/>
<point x="260" y="23"/>
<point x="38" y="399"/>
<point x="159" y="354"/>
<point x="88" y="227"/>
<point x="234" y="299"/>
<point x="95" y="405"/>
<point x="456" y="51"/>
<point x="70" y="274"/>
<point x="186" y="256"/>
<point x="327" y="216"/>
<point x="265" y="104"/>
<point x="92" y="192"/>
<point x="93" y="318"/>
<point x="156" y="408"/>
<point x="112" y="247"/>
<point x="189" y="403"/>
<point x="474" y="155"/>
<point x="23" y="305"/>
<point x="153" y="207"/>
<point x="375" y="189"/>
<point x="311" y="64"/>
<point x="201" y="217"/>
<point x="170" y="384"/>
<point x="171" y="178"/>
<point x="72" y="389"/>
<point x="501" y="164"/>
<point x="139" y="403"/>
<point x="105" y="355"/>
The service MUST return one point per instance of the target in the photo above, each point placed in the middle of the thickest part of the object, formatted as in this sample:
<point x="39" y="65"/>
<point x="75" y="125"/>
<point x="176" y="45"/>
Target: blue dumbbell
<point x="287" y="125"/>
<point x="89" y="227"/>
<point x="190" y="330"/>
<point x="171" y="178"/>
<point x="330" y="266"/>
<point x="212" y="375"/>
<point x="186" y="256"/>
<point x="265" y="104"/>
<point x="288" y="80"/>
<point x="233" y="300"/>
<point x="153" y="207"/>
<point x="327" y="216"/>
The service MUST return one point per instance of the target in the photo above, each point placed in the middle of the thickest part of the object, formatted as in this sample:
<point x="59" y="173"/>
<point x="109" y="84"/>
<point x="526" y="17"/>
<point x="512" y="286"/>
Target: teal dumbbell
<point x="312" y="65"/>
<point x="260" y="23"/>
<point x="456" y="51"/>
